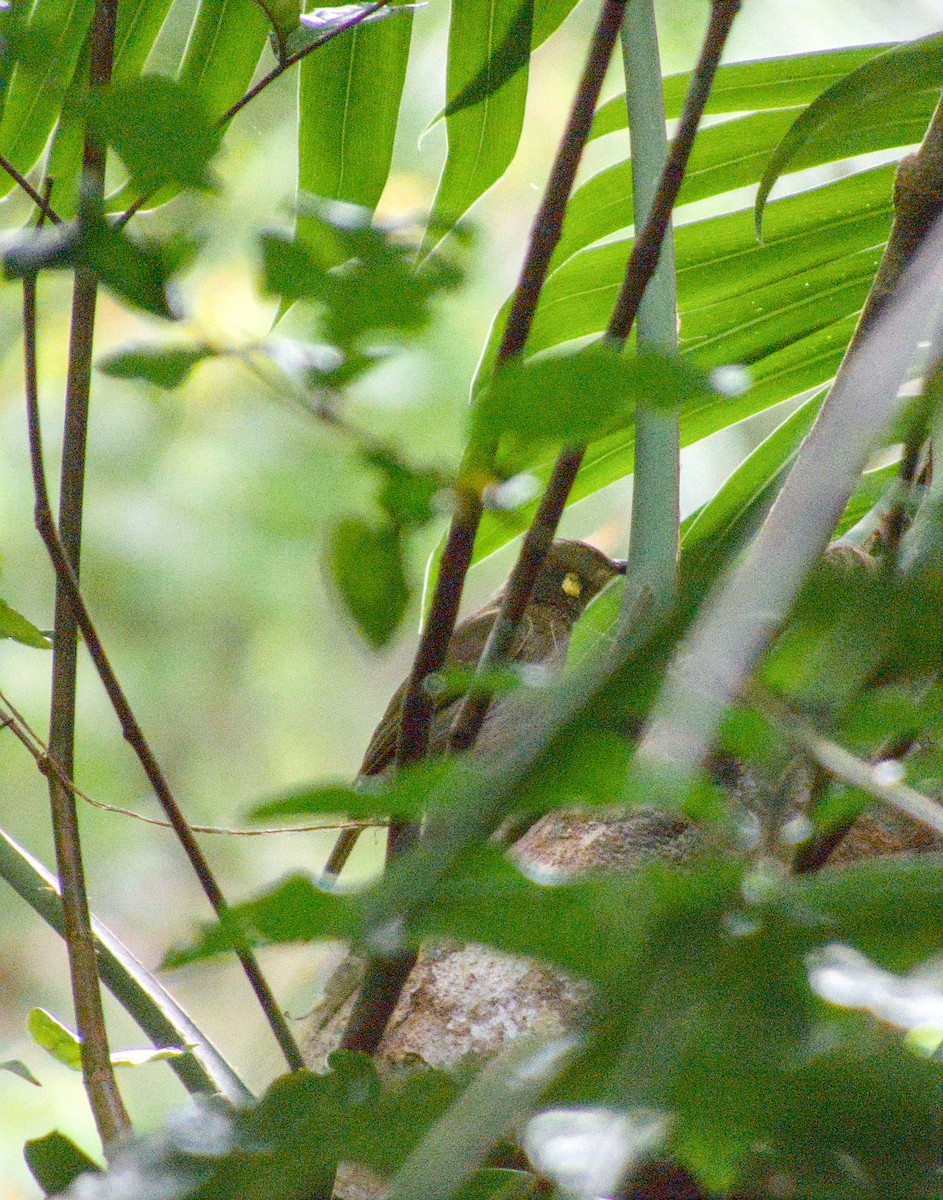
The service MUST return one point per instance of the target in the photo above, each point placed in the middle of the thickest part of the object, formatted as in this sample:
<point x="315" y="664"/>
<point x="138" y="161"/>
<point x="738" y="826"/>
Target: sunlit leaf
<point x="159" y="129"/>
<point x="348" y="108"/>
<point x="55" y="34"/>
<point x="14" y="625"/>
<point x="484" y="137"/>
<point x="897" y="72"/>
<point x="766" y="83"/>
<point x="506" y="59"/>
<point x="222" y="51"/>
<point x="55" y="1038"/>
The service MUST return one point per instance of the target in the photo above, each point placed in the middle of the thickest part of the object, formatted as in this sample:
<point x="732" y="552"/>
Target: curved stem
<point x="203" y="1068"/>
<point x="134" y="735"/>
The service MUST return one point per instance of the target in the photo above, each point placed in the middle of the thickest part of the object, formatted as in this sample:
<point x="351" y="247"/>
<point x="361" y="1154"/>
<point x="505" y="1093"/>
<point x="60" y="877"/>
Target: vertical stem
<point x="385" y="977"/>
<point x="111" y="1119"/>
<point x="653" y="546"/>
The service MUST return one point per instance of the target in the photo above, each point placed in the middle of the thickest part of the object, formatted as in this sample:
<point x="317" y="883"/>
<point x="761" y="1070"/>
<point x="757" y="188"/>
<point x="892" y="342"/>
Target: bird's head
<point x="572" y="574"/>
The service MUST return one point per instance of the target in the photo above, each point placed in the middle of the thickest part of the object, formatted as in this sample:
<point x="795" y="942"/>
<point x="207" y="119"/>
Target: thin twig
<point x="385" y="978"/>
<point x="844" y="765"/>
<point x="111" y="1118"/>
<point x="270" y="78"/>
<point x="640" y="269"/>
<point x="292" y="59"/>
<point x="67" y="584"/>
<point x="25" y="735"/>
<point x="41" y="202"/>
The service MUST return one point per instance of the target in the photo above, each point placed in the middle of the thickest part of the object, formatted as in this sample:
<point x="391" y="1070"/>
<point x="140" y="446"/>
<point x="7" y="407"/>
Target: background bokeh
<point x="208" y="510"/>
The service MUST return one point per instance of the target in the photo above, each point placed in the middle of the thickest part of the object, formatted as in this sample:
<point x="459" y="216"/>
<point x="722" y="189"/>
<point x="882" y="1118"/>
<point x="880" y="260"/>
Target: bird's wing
<point x="464" y="651"/>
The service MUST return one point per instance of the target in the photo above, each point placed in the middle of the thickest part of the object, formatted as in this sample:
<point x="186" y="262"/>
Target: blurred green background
<point x="207" y="516"/>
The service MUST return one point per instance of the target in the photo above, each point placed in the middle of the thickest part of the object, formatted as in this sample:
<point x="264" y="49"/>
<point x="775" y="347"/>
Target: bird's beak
<point x="620" y="565"/>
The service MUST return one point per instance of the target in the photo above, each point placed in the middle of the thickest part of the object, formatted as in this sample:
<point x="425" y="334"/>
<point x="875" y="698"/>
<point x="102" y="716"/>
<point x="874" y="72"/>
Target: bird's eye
<point x="571" y="584"/>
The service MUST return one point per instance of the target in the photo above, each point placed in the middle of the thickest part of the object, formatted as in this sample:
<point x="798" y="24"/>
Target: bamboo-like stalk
<point x="654" y="529"/>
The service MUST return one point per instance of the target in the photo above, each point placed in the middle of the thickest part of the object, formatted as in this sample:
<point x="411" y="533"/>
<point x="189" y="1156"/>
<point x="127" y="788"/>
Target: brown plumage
<point x="571" y="575"/>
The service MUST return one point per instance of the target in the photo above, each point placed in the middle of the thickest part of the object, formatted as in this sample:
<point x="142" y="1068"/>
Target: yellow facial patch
<point x="571" y="584"/>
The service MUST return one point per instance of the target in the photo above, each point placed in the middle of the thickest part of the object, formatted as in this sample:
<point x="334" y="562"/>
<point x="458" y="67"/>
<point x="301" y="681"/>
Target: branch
<point x="111" y="1118"/>
<point x="203" y="1068"/>
<point x="264" y="82"/>
<point x="385" y="978"/>
<point x="844" y="765"/>
<point x="25" y="735"/>
<point x="39" y="200"/>
<point x="641" y="267"/>
<point x="67" y="585"/>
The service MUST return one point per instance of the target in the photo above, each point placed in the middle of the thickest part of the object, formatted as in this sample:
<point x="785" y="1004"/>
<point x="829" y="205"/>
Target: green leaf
<point x="285" y="1145"/>
<point x="506" y="59"/>
<point x="136" y="270"/>
<point x="578" y="397"/>
<point x="899" y="71"/>
<point x="379" y="291"/>
<point x="56" y="32"/>
<point x="765" y="83"/>
<point x="493" y="1183"/>
<point x="64" y="158"/>
<point x="733" y="155"/>
<point x="348" y="105"/>
<point x="56" y="1162"/>
<point x="55" y="1038"/>
<point x="139" y="23"/>
<point x="741" y="503"/>
<point x="14" y="625"/>
<point x="160" y="131"/>
<point x="786" y="309"/>
<point x="294" y="910"/>
<point x="483" y="138"/>
<point x="164" y="366"/>
<point x="500" y="1097"/>
<point x="284" y="16"/>
<point x="367" y="567"/>
<point x="222" y="52"/>
<point x="17" y="1067"/>
<point x="404" y="795"/>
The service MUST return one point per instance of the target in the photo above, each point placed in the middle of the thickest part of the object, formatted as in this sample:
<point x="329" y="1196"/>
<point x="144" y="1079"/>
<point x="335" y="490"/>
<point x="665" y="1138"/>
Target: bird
<point x="571" y="575"/>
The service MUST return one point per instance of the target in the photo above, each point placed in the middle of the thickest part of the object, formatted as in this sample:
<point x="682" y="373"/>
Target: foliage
<point x="768" y="1027"/>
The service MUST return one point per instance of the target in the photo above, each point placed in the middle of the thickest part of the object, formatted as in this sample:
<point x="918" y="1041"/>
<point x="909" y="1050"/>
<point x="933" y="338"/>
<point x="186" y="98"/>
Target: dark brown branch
<point x="134" y="735"/>
<point x="647" y="246"/>
<point x="537" y="541"/>
<point x="41" y="202"/>
<point x="111" y="1118"/>
<point x="640" y="269"/>
<point x="385" y="978"/>
<point x="64" y="547"/>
